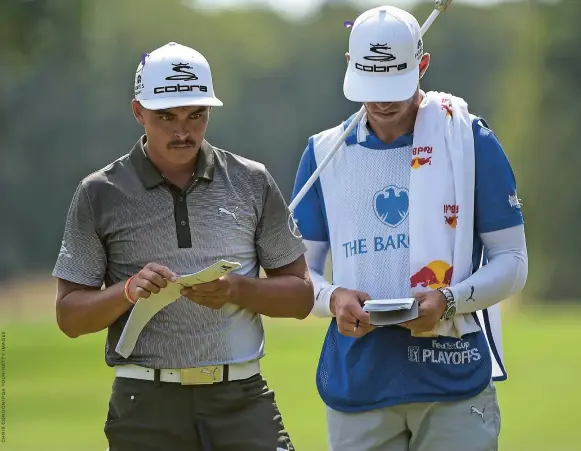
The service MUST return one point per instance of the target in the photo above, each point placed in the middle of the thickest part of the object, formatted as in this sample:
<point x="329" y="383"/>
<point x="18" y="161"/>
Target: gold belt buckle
<point x="202" y="376"/>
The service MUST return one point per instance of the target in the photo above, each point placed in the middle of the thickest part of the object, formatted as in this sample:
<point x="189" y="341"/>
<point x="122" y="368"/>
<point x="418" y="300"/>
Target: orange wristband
<point x="127" y="290"/>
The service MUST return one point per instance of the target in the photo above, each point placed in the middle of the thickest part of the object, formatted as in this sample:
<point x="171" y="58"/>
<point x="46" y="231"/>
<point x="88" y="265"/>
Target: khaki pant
<point x="469" y="425"/>
<point x="237" y="415"/>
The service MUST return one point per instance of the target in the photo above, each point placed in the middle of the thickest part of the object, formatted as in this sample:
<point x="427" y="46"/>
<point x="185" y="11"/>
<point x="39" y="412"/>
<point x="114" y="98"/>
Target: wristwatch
<point x="450" y="304"/>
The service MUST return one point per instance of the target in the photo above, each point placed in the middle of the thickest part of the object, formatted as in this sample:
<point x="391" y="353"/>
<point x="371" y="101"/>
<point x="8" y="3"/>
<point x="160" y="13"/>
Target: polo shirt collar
<point x="363" y="135"/>
<point x="150" y="175"/>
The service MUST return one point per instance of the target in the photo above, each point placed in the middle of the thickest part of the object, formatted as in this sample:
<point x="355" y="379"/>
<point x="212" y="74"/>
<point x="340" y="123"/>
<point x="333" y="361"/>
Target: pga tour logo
<point x="414" y="353"/>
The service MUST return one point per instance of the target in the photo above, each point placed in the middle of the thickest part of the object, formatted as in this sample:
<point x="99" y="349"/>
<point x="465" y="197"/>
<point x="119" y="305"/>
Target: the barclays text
<point x="376" y="244"/>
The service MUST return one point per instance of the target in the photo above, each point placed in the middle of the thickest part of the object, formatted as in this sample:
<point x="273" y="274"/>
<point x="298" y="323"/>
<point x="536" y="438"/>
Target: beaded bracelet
<point x="127" y="296"/>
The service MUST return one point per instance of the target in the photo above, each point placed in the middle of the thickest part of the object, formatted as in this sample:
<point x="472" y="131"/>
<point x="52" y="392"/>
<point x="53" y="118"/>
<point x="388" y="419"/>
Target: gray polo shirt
<point x="127" y="215"/>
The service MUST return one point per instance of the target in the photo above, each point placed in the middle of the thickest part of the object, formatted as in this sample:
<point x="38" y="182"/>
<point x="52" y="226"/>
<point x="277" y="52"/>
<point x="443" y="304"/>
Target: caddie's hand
<point x="150" y="279"/>
<point x="432" y="305"/>
<point x="346" y="305"/>
<point x="214" y="294"/>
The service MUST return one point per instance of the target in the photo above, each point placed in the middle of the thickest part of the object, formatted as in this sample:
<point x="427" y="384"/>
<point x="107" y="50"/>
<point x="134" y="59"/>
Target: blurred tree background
<point x="66" y="76"/>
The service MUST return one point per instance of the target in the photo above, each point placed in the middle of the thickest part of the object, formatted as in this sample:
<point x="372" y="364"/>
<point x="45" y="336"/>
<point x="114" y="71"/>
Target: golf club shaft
<point x="441" y="6"/>
<point x="429" y="21"/>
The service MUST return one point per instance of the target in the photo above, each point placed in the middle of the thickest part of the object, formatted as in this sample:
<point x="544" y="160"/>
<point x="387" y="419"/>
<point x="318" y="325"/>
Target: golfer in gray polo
<point x="175" y="205"/>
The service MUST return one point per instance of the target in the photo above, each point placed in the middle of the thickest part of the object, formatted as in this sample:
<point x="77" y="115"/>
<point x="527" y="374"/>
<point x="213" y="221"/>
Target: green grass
<point x="57" y="389"/>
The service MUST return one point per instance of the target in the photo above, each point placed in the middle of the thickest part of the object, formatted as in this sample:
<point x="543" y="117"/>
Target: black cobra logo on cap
<point x="185" y="75"/>
<point x="382" y="56"/>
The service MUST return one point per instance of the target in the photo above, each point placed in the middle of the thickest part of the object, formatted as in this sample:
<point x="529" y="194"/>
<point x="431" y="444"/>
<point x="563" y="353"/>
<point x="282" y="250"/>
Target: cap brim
<point x="176" y="102"/>
<point x="361" y="87"/>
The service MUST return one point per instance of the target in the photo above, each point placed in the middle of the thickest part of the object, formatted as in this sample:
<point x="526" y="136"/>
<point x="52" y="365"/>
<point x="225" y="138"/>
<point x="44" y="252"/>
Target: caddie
<point x="419" y="202"/>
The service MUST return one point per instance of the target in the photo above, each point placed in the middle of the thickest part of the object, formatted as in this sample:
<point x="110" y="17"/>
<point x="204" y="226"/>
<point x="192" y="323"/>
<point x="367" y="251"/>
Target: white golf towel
<point x="441" y="205"/>
<point x="441" y="213"/>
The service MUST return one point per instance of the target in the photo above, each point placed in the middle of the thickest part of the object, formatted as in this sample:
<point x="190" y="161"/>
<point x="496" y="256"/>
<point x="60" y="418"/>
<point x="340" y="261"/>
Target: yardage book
<point x="386" y="312"/>
<point x="145" y="309"/>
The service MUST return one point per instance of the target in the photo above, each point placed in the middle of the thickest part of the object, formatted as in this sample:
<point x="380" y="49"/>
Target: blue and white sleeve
<point x="499" y="224"/>
<point x="496" y="203"/>
<point x="312" y="222"/>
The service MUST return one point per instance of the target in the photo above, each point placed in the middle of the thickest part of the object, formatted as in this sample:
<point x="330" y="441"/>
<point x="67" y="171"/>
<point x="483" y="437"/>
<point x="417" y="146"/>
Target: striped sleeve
<point x="82" y="257"/>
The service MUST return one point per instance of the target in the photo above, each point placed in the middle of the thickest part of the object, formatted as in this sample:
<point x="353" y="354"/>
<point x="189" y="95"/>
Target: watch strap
<point x="450" y="303"/>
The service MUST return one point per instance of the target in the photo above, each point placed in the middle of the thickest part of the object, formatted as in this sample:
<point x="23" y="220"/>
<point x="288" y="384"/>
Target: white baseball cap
<point x="173" y="76"/>
<point x="385" y="47"/>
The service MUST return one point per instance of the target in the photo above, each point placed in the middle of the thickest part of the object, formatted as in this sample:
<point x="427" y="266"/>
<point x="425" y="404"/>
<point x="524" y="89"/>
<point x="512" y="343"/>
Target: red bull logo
<point x="451" y="215"/>
<point x="436" y="274"/>
<point x="447" y="106"/>
<point x="420" y="156"/>
<point x="419" y="162"/>
<point x="452" y="221"/>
